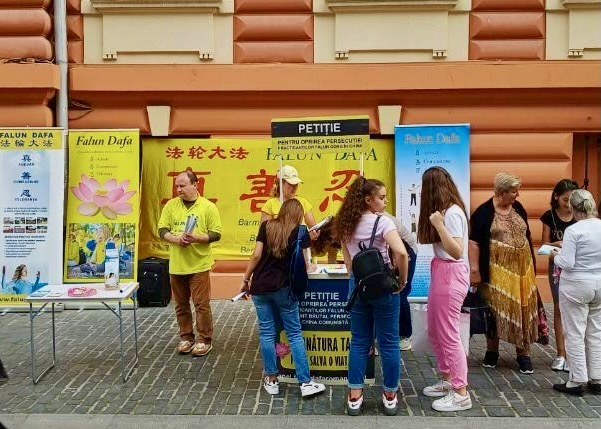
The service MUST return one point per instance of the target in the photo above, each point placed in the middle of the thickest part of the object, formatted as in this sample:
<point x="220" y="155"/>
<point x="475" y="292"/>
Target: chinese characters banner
<point x="417" y="148"/>
<point x="237" y="175"/>
<point x="103" y="201"/>
<point x="31" y="203"/>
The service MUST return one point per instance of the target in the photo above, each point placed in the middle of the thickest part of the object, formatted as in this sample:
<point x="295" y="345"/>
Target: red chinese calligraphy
<point x="174" y="152"/>
<point x="261" y="185"/>
<point x="217" y="151"/>
<point x="239" y="153"/>
<point x="341" y="180"/>
<point x="196" y="152"/>
<point x="200" y="186"/>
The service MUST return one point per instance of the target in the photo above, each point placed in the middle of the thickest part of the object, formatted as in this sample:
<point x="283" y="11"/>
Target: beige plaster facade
<point x="157" y="32"/>
<point x="573" y="29"/>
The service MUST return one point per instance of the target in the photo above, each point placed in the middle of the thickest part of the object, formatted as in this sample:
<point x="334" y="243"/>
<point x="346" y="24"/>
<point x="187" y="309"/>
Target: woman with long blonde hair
<point x="267" y="279"/>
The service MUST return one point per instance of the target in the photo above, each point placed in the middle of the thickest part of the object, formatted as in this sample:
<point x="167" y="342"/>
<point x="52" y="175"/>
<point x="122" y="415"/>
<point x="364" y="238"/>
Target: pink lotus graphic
<point x="282" y="350"/>
<point x="110" y="198"/>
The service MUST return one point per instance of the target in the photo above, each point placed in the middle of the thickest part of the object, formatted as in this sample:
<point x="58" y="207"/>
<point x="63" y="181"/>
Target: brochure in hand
<point x="546" y="249"/>
<point x="321" y="224"/>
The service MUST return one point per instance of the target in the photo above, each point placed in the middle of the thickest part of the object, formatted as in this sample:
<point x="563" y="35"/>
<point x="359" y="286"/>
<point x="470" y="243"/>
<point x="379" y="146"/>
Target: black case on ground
<point x="155" y="288"/>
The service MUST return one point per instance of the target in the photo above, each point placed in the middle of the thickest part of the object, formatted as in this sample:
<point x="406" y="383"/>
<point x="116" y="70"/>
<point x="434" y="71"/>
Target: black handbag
<point x="482" y="321"/>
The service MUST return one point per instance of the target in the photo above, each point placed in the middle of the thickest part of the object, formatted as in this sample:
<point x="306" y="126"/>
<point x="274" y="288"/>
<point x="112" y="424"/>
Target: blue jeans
<point x="281" y="303"/>
<point x="405" y="327"/>
<point x="383" y="313"/>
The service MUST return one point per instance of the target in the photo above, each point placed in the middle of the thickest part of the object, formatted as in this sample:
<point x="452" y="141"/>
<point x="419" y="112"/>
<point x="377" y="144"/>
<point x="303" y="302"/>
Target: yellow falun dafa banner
<point x="238" y="174"/>
<point x="103" y="203"/>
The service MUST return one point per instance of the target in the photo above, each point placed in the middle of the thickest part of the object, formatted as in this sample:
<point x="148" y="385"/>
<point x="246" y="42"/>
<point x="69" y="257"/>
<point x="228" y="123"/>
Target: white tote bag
<point x="421" y="342"/>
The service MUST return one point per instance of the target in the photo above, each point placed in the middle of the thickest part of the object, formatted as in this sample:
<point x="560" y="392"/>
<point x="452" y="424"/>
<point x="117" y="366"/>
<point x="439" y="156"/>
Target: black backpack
<point x="373" y="277"/>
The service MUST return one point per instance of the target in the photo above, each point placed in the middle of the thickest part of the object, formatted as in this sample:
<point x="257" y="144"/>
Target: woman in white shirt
<point x="443" y="223"/>
<point x="580" y="296"/>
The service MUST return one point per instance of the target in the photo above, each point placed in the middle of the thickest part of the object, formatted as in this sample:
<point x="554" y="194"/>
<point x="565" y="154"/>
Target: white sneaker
<point x="442" y="388"/>
<point x="353" y="408"/>
<point x="453" y="402"/>
<point x="271" y="387"/>
<point x="405" y="343"/>
<point x="559" y="364"/>
<point x="390" y="406"/>
<point x="311" y="388"/>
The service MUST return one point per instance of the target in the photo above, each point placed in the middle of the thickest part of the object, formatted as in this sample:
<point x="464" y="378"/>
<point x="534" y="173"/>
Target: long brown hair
<point x="439" y="192"/>
<point x="354" y="205"/>
<point x="278" y="230"/>
<point x="19" y="272"/>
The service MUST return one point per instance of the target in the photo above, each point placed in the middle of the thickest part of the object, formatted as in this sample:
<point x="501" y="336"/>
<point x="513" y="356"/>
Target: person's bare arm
<point x="474" y="258"/>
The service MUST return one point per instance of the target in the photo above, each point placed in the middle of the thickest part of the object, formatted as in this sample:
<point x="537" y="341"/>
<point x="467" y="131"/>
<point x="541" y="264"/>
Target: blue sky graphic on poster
<point x="417" y="148"/>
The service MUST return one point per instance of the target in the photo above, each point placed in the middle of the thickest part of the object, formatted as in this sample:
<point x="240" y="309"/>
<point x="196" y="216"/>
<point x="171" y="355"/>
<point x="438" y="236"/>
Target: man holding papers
<point x="190" y="223"/>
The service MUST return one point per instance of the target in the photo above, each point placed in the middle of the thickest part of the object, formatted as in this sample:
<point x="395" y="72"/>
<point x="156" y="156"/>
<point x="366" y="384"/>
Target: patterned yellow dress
<point x="511" y="291"/>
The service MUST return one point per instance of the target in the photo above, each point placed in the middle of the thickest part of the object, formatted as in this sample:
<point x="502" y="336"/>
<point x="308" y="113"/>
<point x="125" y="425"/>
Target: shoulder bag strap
<point x="373" y="232"/>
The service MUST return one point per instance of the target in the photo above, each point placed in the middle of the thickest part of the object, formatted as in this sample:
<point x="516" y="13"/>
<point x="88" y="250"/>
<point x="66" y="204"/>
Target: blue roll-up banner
<point x="417" y="148"/>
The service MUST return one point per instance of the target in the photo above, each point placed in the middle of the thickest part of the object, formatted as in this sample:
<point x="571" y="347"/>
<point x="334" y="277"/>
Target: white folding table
<point x="59" y="294"/>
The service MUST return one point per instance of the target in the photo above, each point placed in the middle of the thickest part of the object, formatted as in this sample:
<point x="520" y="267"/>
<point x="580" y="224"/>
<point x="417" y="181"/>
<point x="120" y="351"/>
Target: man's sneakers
<point x="271" y="387"/>
<point x="453" y="401"/>
<point x="184" y="347"/>
<point x="201" y="349"/>
<point x="442" y="388"/>
<point x="311" y="388"/>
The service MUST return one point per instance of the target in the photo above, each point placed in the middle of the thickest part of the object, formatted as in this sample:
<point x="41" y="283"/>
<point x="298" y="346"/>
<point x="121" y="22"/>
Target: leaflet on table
<point x="546" y="249"/>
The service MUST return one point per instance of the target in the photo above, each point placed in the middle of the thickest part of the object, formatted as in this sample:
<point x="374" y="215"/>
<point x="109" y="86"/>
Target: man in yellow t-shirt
<point x="190" y="260"/>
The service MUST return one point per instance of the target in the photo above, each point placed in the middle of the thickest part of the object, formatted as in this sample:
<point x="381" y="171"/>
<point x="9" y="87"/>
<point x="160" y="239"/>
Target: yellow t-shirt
<point x="196" y="257"/>
<point x="73" y="251"/>
<point x="272" y="206"/>
<point x="99" y="253"/>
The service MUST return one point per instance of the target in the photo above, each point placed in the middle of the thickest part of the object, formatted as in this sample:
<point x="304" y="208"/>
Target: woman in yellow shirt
<point x="290" y="181"/>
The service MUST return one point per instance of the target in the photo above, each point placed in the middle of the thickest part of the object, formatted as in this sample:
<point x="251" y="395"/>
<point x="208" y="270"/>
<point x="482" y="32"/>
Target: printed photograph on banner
<point x="240" y="177"/>
<point x="31" y="212"/>
<point x="102" y="203"/>
<point x="86" y="246"/>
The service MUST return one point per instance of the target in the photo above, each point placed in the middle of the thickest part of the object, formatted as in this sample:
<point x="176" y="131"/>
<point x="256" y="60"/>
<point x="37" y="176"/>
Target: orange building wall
<point x="267" y="31"/>
<point x="507" y="30"/>
<point x="530" y="117"/>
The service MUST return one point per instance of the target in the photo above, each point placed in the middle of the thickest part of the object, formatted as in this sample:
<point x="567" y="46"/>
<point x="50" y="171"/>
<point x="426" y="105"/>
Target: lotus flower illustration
<point x="109" y="198"/>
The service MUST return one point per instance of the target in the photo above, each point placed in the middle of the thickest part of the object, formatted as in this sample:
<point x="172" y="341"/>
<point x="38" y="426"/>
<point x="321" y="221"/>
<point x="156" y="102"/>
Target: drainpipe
<point x="60" y="54"/>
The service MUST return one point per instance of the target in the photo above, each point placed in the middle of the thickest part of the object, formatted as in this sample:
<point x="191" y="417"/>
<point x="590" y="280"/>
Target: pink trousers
<point x="449" y="283"/>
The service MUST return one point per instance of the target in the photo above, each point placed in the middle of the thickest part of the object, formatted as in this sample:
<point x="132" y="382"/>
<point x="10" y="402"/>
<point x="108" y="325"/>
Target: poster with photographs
<point x="417" y="148"/>
<point x="31" y="210"/>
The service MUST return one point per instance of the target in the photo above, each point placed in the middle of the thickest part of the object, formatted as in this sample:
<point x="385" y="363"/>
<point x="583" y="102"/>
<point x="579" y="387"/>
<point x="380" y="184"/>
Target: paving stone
<point x="228" y="380"/>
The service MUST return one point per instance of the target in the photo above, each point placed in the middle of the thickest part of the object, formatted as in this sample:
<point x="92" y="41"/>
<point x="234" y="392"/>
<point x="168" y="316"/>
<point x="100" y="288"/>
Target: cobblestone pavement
<point x="228" y="380"/>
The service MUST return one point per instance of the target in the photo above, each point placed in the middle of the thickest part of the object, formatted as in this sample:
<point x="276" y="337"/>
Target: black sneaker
<point x="490" y="359"/>
<point x="594" y="388"/>
<point x="576" y="391"/>
<point x="525" y="364"/>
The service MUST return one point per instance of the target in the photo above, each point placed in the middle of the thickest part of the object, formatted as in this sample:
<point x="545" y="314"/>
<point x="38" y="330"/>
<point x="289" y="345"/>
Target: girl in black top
<point x="267" y="279"/>
<point x="555" y="222"/>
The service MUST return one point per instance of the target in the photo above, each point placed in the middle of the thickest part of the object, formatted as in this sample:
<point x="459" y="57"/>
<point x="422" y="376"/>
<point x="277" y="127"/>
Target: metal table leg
<point x="32" y="315"/>
<point x="126" y="374"/>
